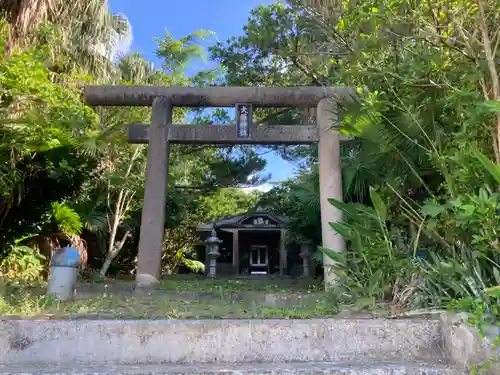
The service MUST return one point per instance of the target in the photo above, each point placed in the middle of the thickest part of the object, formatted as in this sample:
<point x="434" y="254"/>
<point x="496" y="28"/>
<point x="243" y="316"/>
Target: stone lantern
<point x="305" y="254"/>
<point x="212" y="248"/>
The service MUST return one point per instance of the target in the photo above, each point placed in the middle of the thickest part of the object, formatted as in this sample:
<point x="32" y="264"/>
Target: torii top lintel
<point x="298" y="97"/>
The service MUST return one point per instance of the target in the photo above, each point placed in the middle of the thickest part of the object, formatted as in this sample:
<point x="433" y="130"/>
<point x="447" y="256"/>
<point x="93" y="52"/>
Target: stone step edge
<point x="209" y="341"/>
<point x="312" y="368"/>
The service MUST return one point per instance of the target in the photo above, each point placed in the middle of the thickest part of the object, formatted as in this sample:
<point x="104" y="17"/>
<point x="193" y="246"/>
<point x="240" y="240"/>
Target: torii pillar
<point x="155" y="195"/>
<point x="330" y="182"/>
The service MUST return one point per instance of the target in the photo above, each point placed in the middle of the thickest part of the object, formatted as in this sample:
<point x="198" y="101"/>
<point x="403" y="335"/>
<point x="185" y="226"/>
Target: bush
<point x="23" y="264"/>
<point x="453" y="255"/>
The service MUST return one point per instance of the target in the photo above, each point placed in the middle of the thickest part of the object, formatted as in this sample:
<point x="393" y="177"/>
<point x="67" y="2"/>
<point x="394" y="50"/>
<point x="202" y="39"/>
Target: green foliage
<point x="194" y="265"/>
<point x="224" y="202"/>
<point x="45" y="148"/>
<point x="23" y="264"/>
<point x="177" y="54"/>
<point x="373" y="268"/>
<point x="37" y="115"/>
<point x="462" y="260"/>
<point x="298" y="200"/>
<point x="66" y="218"/>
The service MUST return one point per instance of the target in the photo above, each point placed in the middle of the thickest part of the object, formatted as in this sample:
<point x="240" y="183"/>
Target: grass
<point x="20" y="301"/>
<point x="152" y="307"/>
<point x="229" y="285"/>
<point x="201" y="284"/>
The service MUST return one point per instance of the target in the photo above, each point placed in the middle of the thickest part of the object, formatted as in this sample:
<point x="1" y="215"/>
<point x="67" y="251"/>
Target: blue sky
<point x="150" y="18"/>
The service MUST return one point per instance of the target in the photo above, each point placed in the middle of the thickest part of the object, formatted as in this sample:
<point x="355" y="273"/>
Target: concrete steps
<point x="315" y="346"/>
<point x="314" y="368"/>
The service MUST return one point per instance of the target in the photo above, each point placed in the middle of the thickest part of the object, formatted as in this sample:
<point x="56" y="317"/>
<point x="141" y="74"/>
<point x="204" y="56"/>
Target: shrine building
<point x="253" y="243"/>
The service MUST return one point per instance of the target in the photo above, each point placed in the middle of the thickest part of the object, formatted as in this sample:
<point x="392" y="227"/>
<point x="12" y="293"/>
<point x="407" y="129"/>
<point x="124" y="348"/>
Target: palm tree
<point x="25" y="15"/>
<point x="91" y="36"/>
<point x="87" y="31"/>
<point x="135" y="68"/>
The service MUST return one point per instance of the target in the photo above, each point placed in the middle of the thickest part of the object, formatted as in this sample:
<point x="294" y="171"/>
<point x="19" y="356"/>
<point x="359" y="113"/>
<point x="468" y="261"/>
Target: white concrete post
<point x="330" y="178"/>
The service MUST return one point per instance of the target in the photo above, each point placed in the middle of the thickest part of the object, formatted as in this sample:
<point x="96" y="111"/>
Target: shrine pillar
<point x="330" y="179"/>
<point x="155" y="195"/>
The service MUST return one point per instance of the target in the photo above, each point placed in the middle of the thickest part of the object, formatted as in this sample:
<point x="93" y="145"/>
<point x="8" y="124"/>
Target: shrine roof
<point x="255" y="219"/>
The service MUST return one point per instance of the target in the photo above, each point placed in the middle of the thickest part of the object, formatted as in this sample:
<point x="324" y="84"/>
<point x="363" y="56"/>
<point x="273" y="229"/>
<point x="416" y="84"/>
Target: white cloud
<point x="263" y="188"/>
<point x="123" y="44"/>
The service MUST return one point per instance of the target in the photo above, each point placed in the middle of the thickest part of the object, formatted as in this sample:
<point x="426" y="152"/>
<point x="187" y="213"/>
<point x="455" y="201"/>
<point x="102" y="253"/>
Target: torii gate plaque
<point x="161" y="133"/>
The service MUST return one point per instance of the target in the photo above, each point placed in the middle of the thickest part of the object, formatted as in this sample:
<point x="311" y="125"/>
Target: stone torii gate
<point x="161" y="133"/>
